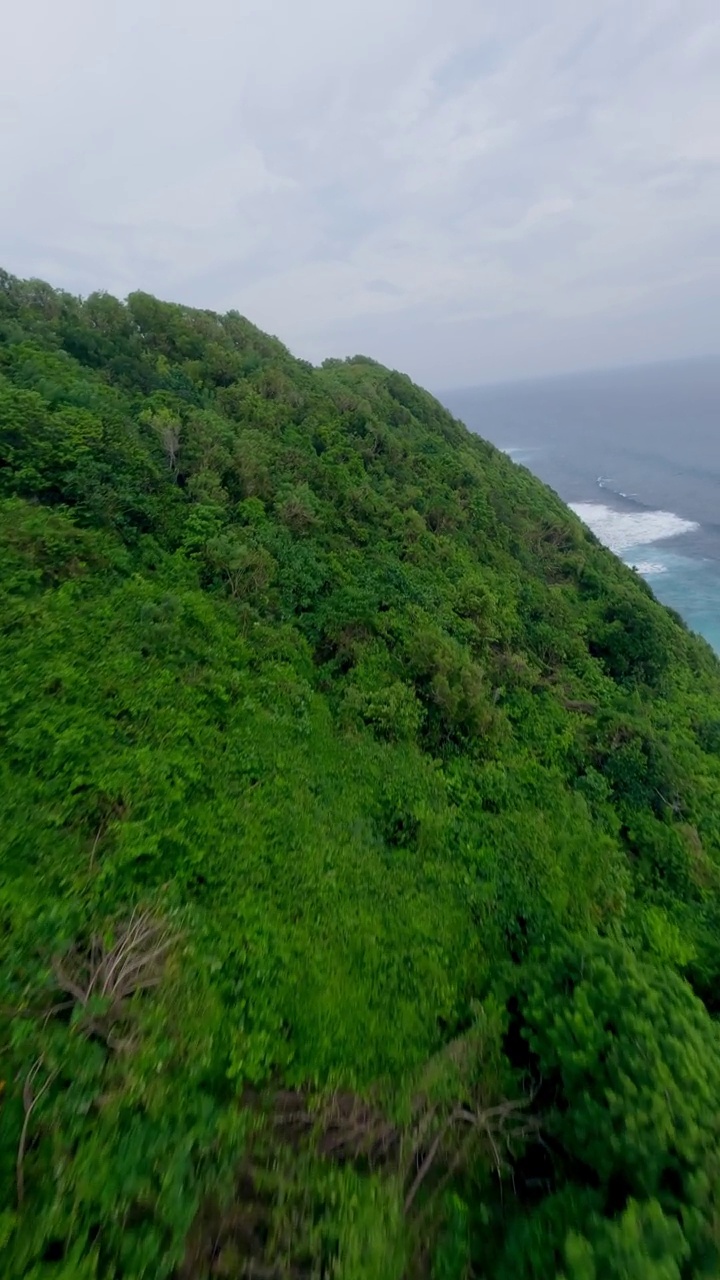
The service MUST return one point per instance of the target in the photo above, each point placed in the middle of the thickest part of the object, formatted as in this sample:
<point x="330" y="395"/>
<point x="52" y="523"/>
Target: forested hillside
<point x="360" y="866"/>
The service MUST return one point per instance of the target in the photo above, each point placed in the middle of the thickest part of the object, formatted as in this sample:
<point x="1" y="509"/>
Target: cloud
<point x="468" y="190"/>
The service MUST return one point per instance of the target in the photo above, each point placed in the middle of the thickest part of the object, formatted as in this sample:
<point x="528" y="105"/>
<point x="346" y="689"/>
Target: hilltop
<point x="360" y="892"/>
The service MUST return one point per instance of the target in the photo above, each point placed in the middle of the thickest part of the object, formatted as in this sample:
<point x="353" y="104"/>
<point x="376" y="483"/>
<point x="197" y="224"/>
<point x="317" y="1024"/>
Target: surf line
<point x="605" y="482"/>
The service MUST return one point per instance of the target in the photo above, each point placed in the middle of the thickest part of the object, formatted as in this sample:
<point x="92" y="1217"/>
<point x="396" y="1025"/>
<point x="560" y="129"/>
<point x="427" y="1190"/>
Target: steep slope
<point x="361" y="833"/>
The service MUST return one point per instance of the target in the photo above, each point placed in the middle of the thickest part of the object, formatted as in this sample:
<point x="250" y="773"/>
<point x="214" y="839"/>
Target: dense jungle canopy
<point x="360" y="865"/>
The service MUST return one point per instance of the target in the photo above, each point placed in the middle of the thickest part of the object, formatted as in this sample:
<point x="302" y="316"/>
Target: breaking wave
<point x="621" y="531"/>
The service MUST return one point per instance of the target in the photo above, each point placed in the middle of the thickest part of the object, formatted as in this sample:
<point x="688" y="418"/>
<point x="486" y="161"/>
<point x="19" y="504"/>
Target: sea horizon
<point x="586" y="372"/>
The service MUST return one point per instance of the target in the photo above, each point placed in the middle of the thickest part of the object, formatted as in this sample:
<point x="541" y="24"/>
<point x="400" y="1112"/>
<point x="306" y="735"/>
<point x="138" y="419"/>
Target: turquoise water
<point x="636" y="453"/>
<point x="689" y="586"/>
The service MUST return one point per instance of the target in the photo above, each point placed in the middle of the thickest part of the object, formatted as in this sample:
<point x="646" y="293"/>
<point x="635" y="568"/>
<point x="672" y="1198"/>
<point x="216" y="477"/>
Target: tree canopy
<point x="360" y="875"/>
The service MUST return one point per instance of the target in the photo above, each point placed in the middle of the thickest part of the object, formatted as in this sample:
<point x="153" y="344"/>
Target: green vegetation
<point x="360" y="879"/>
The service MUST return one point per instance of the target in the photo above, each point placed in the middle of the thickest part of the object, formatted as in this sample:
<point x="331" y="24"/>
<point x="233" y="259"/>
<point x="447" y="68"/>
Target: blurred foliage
<point x="419" y="786"/>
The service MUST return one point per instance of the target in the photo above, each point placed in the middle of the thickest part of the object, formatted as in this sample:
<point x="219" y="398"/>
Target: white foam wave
<point x="518" y="453"/>
<point x="650" y="568"/>
<point x="623" y="530"/>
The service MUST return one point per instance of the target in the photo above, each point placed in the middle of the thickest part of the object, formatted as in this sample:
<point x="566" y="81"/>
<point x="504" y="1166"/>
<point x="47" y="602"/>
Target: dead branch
<point x="114" y="973"/>
<point x="349" y="1128"/>
<point x="427" y="1163"/>
<point x="30" y="1100"/>
<point x="458" y="1161"/>
<point x="424" y="1125"/>
<point x="100" y="832"/>
<point x="498" y="1126"/>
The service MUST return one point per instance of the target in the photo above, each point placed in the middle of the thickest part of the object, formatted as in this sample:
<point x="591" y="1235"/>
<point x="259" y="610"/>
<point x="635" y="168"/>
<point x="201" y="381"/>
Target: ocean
<point x="636" y="453"/>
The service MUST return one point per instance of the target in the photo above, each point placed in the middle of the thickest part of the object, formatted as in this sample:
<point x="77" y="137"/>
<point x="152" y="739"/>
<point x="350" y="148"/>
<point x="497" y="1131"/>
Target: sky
<point x="470" y="191"/>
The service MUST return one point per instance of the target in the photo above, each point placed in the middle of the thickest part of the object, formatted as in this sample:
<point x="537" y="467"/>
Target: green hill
<point x="360" y="870"/>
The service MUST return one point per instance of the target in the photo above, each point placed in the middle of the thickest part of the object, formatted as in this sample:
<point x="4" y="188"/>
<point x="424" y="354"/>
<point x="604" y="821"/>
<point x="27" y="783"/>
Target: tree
<point x="168" y="429"/>
<point x="632" y="1060"/>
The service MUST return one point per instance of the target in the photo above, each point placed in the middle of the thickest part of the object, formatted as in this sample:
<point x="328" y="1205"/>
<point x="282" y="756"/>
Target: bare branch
<point x="30" y="1100"/>
<point x="115" y="973"/>
<point x="427" y="1163"/>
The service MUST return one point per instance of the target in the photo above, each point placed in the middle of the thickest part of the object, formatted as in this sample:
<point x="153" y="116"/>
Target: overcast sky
<point x="466" y="190"/>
